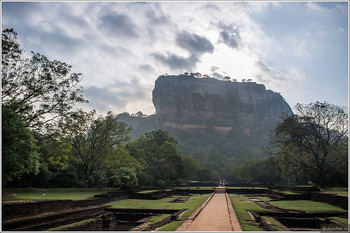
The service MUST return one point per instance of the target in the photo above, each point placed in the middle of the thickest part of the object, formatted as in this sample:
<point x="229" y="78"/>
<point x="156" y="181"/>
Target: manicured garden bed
<point x="336" y="190"/>
<point x="307" y="206"/>
<point x="191" y="205"/>
<point x="241" y="205"/>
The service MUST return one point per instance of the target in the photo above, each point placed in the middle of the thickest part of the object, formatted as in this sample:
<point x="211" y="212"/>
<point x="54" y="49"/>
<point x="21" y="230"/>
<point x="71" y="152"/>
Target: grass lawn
<point x="307" y="206"/>
<point x="241" y="205"/>
<point x="191" y="205"/>
<point x="69" y="225"/>
<point x="336" y="190"/>
<point x="344" y="221"/>
<point x="148" y="191"/>
<point x="273" y="223"/>
<point x="286" y="192"/>
<point x="195" y="188"/>
<point x="13" y="194"/>
<point x="234" y="187"/>
<point x="261" y="198"/>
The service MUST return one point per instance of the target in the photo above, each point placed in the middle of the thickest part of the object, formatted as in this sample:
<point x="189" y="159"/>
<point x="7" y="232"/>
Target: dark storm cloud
<point x="230" y="36"/>
<point x="174" y="61"/>
<point x="119" y="25"/>
<point x="105" y="98"/>
<point x="268" y="73"/>
<point x="194" y="43"/>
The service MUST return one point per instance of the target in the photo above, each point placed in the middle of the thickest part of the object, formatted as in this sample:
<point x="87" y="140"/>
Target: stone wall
<point x="22" y="209"/>
<point x="89" y="225"/>
<point x="333" y="199"/>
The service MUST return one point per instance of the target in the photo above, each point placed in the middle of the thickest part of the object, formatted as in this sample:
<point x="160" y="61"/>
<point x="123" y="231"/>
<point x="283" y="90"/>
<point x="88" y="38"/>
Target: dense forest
<point x="48" y="142"/>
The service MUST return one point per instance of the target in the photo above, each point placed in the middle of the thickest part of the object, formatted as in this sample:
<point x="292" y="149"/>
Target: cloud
<point x="268" y="74"/>
<point x="214" y="68"/>
<point x="62" y="43"/>
<point x="156" y="17"/>
<point x="217" y="75"/>
<point x="230" y="36"/>
<point x="194" y="43"/>
<point x="118" y="25"/>
<point x="146" y="68"/>
<point x="117" y="96"/>
<point x="25" y="11"/>
<point x="111" y="42"/>
<point x="175" y="62"/>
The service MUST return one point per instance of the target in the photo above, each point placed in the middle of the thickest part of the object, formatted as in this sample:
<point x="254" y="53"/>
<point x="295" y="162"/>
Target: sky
<point x="299" y="49"/>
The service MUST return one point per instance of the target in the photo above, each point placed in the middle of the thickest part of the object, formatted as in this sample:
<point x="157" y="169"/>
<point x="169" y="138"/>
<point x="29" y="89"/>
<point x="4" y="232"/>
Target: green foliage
<point x="19" y="155"/>
<point x="313" y="145"/>
<point x="55" y="152"/>
<point x="191" y="167"/>
<point x="43" y="90"/>
<point x="263" y="170"/>
<point x="124" y="177"/>
<point x="161" y="162"/>
<point x="98" y="142"/>
<point x="222" y="154"/>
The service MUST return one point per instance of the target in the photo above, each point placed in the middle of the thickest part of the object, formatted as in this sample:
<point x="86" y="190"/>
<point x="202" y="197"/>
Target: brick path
<point x="215" y="216"/>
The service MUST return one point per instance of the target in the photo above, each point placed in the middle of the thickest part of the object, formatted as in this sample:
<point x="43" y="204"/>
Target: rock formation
<point x="188" y="103"/>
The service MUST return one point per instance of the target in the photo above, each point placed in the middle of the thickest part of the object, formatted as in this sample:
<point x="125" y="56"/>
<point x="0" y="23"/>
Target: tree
<point x="99" y="141"/>
<point x="125" y="177"/>
<point x="227" y="78"/>
<point x="204" y="174"/>
<point x="261" y="170"/>
<point x="308" y="141"/>
<point x="39" y="89"/>
<point x="19" y="155"/>
<point x="160" y="160"/>
<point x="191" y="167"/>
<point x="197" y="75"/>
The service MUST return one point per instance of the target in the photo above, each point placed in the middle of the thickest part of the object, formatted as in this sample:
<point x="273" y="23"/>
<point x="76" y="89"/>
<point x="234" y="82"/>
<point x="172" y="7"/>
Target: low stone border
<point x="191" y="218"/>
<point x="233" y="217"/>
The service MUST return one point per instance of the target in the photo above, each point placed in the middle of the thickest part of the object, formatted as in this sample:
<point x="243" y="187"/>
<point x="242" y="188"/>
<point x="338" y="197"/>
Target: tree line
<point x="46" y="142"/>
<point x="309" y="147"/>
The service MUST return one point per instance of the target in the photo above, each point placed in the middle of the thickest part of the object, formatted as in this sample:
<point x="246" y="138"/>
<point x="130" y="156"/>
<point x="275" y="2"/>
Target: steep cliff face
<point x="189" y="103"/>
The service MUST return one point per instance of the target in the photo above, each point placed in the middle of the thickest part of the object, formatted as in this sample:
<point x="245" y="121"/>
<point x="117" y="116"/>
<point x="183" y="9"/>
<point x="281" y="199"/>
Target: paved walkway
<point x="215" y="216"/>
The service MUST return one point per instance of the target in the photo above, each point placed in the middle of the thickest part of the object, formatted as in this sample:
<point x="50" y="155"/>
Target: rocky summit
<point x="188" y="103"/>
